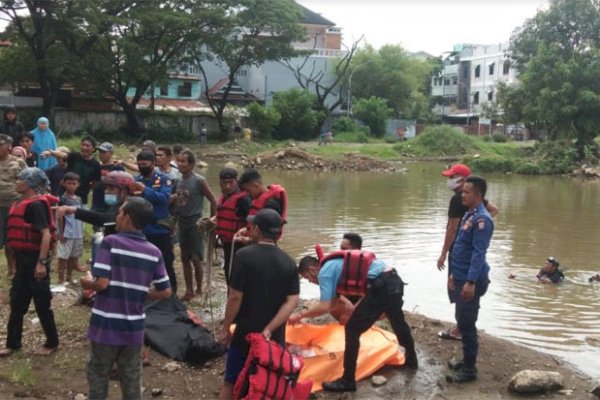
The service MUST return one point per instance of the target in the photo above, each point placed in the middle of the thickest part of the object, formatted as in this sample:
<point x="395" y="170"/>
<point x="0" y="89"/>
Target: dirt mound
<point x="296" y="158"/>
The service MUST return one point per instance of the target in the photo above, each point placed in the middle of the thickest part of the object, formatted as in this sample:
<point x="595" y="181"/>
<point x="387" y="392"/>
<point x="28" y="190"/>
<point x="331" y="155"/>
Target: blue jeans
<point x="466" y="314"/>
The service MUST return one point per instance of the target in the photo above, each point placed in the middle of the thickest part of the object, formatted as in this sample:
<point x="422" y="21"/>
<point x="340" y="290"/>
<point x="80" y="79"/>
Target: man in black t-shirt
<point x="263" y="293"/>
<point x="83" y="164"/>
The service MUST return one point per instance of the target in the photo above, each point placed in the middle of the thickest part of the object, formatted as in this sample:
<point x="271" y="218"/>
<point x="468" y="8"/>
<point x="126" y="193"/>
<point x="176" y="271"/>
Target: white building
<point x="470" y="79"/>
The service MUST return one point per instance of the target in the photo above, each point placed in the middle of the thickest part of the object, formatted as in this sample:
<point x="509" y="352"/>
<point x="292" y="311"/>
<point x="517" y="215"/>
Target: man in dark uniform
<point x="384" y="295"/>
<point x="32" y="252"/>
<point x="469" y="273"/>
<point x="156" y="188"/>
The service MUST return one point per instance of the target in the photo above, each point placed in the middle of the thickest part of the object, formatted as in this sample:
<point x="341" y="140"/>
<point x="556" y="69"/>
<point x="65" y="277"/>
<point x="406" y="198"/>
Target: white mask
<point x="454" y="183"/>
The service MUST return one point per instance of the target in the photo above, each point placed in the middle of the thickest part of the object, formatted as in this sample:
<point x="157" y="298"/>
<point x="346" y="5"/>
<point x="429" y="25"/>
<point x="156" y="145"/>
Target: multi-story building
<point x="470" y="77"/>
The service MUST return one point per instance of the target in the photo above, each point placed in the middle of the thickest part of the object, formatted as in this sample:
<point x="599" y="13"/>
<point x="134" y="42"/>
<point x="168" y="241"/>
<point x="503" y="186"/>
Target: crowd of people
<point x="44" y="193"/>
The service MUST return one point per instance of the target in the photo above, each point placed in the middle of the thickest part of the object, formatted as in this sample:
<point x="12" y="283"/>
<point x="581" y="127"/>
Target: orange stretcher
<point x="322" y="347"/>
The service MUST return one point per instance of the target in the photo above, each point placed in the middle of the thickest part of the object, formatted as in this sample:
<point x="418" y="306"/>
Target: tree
<point x="139" y="44"/>
<point x="298" y="120"/>
<point x="326" y="78"/>
<point x="33" y="25"/>
<point x="557" y="54"/>
<point x="250" y="33"/>
<point x="373" y="112"/>
<point x="393" y="75"/>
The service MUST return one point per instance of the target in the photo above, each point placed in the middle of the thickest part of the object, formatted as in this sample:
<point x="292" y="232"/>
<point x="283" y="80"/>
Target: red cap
<point x="457" y="169"/>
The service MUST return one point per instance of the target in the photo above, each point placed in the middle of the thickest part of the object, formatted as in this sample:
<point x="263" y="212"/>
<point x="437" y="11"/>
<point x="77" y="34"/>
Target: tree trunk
<point x="133" y="124"/>
<point x="223" y="131"/>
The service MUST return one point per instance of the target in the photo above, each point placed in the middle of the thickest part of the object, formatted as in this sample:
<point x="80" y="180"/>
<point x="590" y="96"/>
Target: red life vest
<point x="270" y="372"/>
<point x="354" y="278"/>
<point x="21" y="235"/>
<point x="276" y="192"/>
<point x="228" y="223"/>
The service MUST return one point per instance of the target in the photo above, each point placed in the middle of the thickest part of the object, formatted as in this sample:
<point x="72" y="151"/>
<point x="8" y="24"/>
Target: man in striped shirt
<point x="125" y="266"/>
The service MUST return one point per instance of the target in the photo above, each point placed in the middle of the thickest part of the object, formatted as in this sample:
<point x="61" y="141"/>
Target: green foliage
<point x="18" y="370"/>
<point x="343" y="124"/>
<point x="392" y="75"/>
<point x="374" y="113"/>
<point x="492" y="164"/>
<point x="557" y="53"/>
<point x="351" y="137"/>
<point x="262" y="120"/>
<point x="298" y="119"/>
<point x="499" y="138"/>
<point x="440" y="140"/>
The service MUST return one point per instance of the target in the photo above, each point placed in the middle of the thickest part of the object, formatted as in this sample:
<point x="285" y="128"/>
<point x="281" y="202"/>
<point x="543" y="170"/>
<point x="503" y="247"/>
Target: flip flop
<point x="446" y="335"/>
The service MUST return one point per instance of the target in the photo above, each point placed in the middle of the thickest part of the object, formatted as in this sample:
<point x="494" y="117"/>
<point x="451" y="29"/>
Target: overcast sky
<point x="433" y="26"/>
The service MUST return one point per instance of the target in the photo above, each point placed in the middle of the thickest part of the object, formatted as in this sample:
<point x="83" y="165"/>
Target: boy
<point x="26" y="141"/>
<point x="70" y="231"/>
<point x="189" y="196"/>
<point x="56" y="173"/>
<point x="30" y="231"/>
<point x="125" y="267"/>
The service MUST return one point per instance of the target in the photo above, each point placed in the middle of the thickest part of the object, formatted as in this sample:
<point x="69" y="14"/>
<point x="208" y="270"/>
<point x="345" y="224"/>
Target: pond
<point x="402" y="218"/>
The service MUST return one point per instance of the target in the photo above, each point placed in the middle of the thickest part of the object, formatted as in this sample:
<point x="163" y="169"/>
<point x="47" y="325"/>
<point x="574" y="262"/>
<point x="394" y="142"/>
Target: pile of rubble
<point x="294" y="158"/>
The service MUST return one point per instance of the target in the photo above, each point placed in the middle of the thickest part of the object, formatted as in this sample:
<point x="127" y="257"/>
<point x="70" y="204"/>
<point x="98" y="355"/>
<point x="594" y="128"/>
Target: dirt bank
<point x="62" y="375"/>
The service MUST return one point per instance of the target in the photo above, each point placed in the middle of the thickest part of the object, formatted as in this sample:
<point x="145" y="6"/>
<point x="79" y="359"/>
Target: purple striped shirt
<point x="131" y="264"/>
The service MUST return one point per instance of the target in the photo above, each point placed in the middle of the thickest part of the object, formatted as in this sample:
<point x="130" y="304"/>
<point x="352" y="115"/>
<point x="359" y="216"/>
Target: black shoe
<point x="463" y="375"/>
<point x="340" y="385"/>
<point x="455" y="365"/>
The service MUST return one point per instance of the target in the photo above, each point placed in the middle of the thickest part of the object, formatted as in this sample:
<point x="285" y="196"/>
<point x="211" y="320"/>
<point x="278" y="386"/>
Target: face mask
<point x="454" y="183"/>
<point x="110" y="199"/>
<point x="146" y="170"/>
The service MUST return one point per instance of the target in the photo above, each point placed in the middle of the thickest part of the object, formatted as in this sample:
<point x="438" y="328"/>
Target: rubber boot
<point x="463" y="375"/>
<point x="340" y="385"/>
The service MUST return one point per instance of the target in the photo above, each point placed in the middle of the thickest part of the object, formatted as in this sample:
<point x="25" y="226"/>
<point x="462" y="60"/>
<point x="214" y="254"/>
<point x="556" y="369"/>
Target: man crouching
<point x="382" y="289"/>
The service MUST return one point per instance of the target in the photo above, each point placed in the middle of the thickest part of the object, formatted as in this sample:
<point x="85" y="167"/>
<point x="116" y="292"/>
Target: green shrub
<point x="492" y="164"/>
<point x="443" y="140"/>
<point x="343" y="124"/>
<point x="351" y="137"/>
<point x="529" y="168"/>
<point x="262" y="120"/>
<point x="298" y="118"/>
<point x="499" y="138"/>
<point x="373" y="112"/>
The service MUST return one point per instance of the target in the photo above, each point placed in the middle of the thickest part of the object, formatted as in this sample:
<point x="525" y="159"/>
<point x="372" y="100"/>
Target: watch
<point x="44" y="260"/>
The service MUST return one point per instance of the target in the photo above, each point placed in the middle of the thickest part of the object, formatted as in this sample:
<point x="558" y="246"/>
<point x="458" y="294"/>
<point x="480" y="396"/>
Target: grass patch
<point x="18" y="370"/>
<point x="442" y="140"/>
<point x="351" y="137"/>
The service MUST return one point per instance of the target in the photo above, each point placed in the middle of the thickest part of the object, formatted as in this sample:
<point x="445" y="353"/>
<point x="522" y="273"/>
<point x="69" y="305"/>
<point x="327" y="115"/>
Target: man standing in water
<point x="469" y="271"/>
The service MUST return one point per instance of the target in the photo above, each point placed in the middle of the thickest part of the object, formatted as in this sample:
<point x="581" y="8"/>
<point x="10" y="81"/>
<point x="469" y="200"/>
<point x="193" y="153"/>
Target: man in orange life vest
<point x="31" y="234"/>
<point x="272" y="196"/>
<point x="232" y="209"/>
<point x="359" y="273"/>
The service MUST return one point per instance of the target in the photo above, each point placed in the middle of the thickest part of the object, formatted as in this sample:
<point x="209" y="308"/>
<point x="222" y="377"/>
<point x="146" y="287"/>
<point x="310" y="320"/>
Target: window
<point x="477" y="71"/>
<point x="164" y="89"/>
<point x="490" y="95"/>
<point x="491" y="68"/>
<point x="454" y="80"/>
<point x="506" y="67"/>
<point x="185" y="89"/>
<point x="476" y="98"/>
<point x="446" y="81"/>
<point x="242" y="72"/>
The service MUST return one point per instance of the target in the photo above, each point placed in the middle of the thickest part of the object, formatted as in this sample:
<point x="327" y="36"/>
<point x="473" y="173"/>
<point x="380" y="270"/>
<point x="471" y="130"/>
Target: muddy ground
<point x="62" y="375"/>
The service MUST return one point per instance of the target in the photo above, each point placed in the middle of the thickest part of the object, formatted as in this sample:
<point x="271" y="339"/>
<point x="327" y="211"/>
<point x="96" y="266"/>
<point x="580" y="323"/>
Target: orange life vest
<point x="276" y="192"/>
<point x="354" y="277"/>
<point x="228" y="223"/>
<point x="21" y="235"/>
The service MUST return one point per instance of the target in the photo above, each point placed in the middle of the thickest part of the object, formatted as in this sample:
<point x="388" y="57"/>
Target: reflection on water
<point x="402" y="219"/>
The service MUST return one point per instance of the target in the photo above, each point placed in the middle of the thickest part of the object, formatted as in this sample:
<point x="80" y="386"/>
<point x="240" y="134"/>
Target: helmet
<point x="121" y="180"/>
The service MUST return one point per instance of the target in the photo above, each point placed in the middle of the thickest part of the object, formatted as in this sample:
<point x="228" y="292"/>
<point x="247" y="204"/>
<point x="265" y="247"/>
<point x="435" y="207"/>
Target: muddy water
<point x="402" y="218"/>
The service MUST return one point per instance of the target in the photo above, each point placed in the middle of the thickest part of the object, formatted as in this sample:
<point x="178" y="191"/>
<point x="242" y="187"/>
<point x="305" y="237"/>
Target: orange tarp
<point x="322" y="347"/>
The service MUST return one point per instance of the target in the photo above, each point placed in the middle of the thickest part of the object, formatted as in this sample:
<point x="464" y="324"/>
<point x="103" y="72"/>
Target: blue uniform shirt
<point x="331" y="272"/>
<point x="467" y="257"/>
<point x="157" y="192"/>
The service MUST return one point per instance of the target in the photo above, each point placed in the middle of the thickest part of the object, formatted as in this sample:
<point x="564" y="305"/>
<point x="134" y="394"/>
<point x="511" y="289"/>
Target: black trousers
<point x="164" y="244"/>
<point x="25" y="288"/>
<point x="384" y="296"/>
<point x="227" y="257"/>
